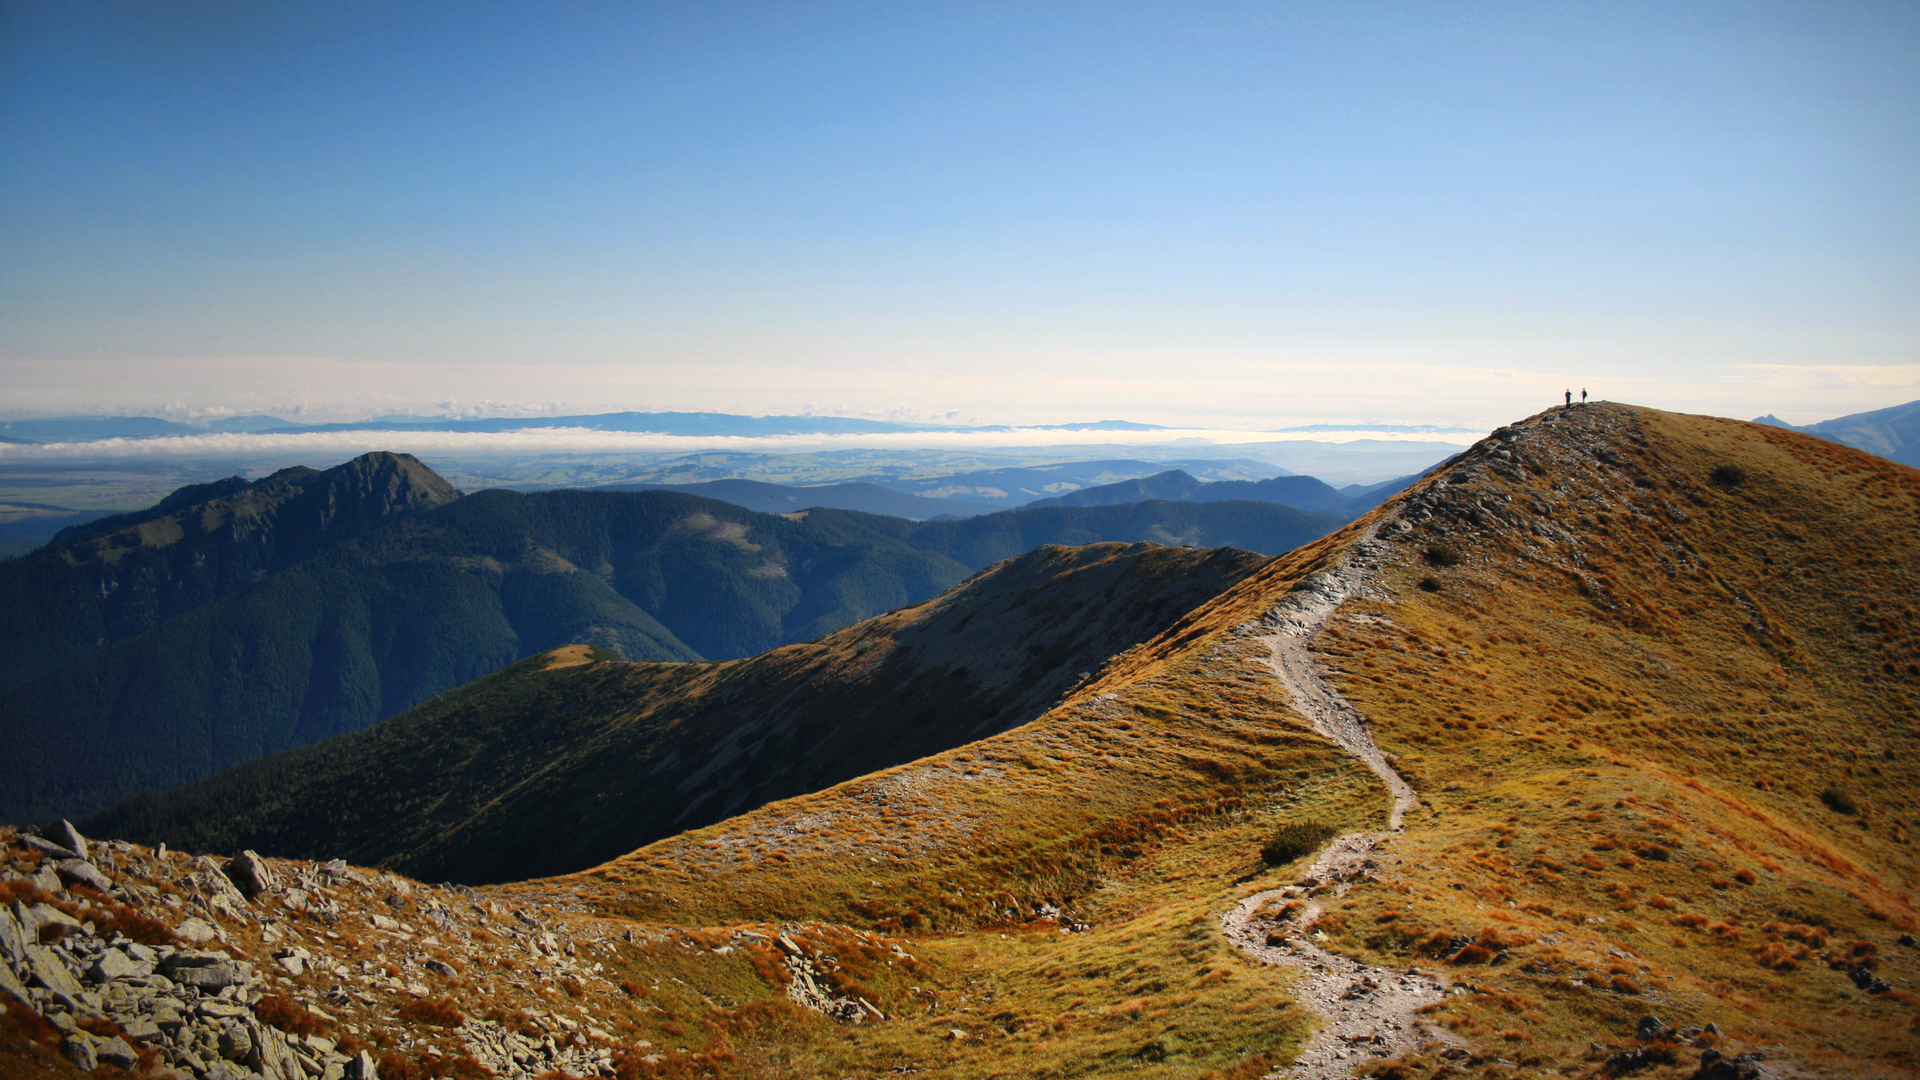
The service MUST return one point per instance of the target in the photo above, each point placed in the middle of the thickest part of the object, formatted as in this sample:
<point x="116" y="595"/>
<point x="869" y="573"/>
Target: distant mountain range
<point x="240" y="618"/>
<point x="1893" y="433"/>
<point x="783" y="499"/>
<point x="87" y="428"/>
<point x="1301" y="492"/>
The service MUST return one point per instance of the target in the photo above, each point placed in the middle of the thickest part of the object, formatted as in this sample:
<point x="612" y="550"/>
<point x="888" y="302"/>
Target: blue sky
<point x="1230" y="214"/>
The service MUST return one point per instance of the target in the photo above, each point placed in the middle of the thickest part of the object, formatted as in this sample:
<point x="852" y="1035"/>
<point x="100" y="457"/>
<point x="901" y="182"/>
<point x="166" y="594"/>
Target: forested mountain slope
<point x="364" y="627"/>
<point x="121" y="576"/>
<point x="572" y="757"/>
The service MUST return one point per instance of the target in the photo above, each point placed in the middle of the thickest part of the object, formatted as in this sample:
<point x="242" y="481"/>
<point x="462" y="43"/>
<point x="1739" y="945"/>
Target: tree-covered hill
<point x="569" y="758"/>
<point x="294" y="609"/>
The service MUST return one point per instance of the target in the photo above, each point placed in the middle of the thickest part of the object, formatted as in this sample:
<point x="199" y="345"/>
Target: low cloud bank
<point x="546" y="441"/>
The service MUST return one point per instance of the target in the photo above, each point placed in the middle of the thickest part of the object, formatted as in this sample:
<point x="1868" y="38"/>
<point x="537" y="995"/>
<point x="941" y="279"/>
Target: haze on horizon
<point x="1220" y="216"/>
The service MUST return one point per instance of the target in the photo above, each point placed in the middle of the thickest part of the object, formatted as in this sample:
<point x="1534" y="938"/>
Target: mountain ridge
<point x="1650" y="677"/>
<point x="1892" y="433"/>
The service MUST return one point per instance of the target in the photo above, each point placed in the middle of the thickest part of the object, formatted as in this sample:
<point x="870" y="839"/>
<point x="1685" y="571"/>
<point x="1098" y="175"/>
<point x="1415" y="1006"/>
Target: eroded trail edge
<point x="1369" y="1011"/>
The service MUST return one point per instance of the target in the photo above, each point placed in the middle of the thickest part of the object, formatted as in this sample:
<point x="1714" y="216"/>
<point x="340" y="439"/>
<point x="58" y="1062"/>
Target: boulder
<point x="235" y="1044"/>
<point x="66" y="834"/>
<point x="115" y="1051"/>
<point x="360" y="1067"/>
<point x="82" y="872"/>
<point x="196" y="931"/>
<point x="114" y="964"/>
<point x="13" y="939"/>
<point x="9" y="982"/>
<point x="250" y="874"/>
<point x="209" y="972"/>
<point x="45" y="969"/>
<point x="141" y="1030"/>
<point x="48" y="847"/>
<point x="45" y="879"/>
<point x="78" y="1048"/>
<point x="221" y="897"/>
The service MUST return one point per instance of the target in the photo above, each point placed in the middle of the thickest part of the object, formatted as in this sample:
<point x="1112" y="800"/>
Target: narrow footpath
<point x="1368" y="1011"/>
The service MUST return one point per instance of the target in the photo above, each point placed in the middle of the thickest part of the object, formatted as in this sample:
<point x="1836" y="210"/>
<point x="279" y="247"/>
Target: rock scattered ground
<point x="232" y="969"/>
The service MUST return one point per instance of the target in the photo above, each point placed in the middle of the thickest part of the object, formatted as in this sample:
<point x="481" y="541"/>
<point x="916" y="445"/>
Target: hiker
<point x="1569" y="399"/>
<point x="1583" y="395"/>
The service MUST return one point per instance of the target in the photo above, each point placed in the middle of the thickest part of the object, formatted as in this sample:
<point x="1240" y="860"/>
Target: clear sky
<point x="1216" y="214"/>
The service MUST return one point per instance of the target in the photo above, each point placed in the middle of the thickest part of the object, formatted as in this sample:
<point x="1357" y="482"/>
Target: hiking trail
<point x="1369" y="1011"/>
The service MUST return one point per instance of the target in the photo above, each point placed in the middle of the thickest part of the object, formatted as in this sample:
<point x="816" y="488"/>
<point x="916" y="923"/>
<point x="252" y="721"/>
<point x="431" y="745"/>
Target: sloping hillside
<point x="572" y="757"/>
<point x="1650" y="679"/>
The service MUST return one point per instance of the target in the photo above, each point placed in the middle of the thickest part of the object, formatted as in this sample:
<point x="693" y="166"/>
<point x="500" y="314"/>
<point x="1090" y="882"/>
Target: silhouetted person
<point x="1583" y="395"/>
<point x="1569" y="399"/>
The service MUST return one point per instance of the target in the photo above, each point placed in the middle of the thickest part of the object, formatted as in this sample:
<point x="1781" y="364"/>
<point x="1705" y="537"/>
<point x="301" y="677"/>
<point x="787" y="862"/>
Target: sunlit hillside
<point x="1651" y="677"/>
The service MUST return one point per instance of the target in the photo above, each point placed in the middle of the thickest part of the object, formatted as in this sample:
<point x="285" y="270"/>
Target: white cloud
<point x="329" y="445"/>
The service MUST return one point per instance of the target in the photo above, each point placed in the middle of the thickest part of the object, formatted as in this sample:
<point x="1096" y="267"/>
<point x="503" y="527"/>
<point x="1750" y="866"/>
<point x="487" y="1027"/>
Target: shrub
<point x="1442" y="555"/>
<point x="1430" y="584"/>
<point x="289" y="1016"/>
<point x="437" y="1011"/>
<point x="1472" y="953"/>
<point x="1296" y="839"/>
<point x="1840" y="802"/>
<point x="1729" y="476"/>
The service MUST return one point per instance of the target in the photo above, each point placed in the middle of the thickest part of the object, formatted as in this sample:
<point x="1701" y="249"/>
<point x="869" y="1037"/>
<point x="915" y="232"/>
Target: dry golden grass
<point x="1652" y="644"/>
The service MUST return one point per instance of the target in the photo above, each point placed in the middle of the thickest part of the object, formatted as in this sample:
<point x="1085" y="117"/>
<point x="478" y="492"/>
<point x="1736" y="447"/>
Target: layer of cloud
<point x="533" y="442"/>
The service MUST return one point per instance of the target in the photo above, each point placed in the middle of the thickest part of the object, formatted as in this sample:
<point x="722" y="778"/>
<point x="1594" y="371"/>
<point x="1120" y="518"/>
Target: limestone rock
<point x="9" y="982"/>
<point x="66" y="834"/>
<point x="82" y="872"/>
<point x="208" y="972"/>
<point x="45" y="879"/>
<point x="78" y="1048"/>
<point x="39" y="915"/>
<point x="250" y="874"/>
<point x="48" y="847"/>
<point x="114" y="964"/>
<point x="47" y="970"/>
<point x="13" y="939"/>
<point x="212" y="884"/>
<point x="196" y="931"/>
<point x="115" y="1051"/>
<point x="235" y="1044"/>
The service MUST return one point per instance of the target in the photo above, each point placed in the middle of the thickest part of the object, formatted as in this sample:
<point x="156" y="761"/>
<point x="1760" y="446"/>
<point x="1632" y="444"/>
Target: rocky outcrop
<point x="236" y="966"/>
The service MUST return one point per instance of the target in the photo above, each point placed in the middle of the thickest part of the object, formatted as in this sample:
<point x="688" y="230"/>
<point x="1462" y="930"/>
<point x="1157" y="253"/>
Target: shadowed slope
<point x="123" y="575"/>
<point x="572" y="757"/>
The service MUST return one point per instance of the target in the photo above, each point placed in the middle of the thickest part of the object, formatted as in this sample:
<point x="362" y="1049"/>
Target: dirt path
<point x="1369" y="1011"/>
